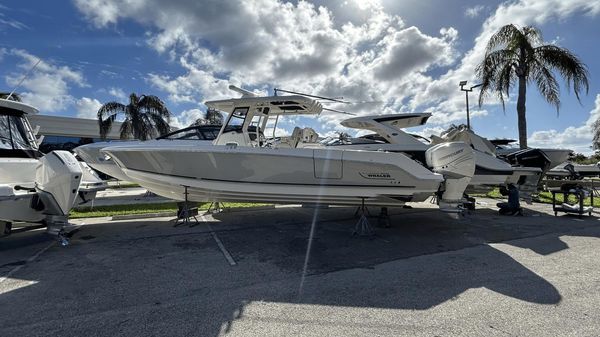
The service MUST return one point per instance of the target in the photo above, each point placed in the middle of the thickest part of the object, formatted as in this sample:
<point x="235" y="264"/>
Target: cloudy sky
<point x="399" y="56"/>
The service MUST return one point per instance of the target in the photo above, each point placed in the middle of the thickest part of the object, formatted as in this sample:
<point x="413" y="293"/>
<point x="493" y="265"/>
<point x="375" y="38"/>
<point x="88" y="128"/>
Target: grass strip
<point x="542" y="197"/>
<point x="112" y="210"/>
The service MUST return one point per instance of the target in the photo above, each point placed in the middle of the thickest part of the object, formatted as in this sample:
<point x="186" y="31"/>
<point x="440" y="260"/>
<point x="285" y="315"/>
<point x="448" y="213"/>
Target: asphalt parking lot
<point x="247" y="274"/>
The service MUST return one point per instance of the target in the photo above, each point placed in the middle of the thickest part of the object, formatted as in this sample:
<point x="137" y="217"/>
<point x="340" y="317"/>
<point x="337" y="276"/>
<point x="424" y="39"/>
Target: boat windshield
<point x="16" y="138"/>
<point x="203" y="132"/>
<point x="235" y="123"/>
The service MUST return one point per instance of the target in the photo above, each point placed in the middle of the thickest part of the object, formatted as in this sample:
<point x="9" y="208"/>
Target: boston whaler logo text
<point x="452" y="154"/>
<point x="376" y="175"/>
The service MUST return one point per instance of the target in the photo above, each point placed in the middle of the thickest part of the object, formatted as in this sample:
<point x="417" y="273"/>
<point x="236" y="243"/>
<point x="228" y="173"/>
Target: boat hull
<point x="229" y="173"/>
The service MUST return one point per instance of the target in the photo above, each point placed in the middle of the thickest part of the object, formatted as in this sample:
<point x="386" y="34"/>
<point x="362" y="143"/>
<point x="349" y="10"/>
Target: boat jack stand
<point x="215" y="207"/>
<point x="7" y="228"/>
<point x="384" y="218"/>
<point x="363" y="227"/>
<point x="185" y="212"/>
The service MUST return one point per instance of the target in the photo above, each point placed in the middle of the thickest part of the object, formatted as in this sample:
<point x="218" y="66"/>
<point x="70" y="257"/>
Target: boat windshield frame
<point x="257" y="112"/>
<point x="16" y="136"/>
<point x="202" y="132"/>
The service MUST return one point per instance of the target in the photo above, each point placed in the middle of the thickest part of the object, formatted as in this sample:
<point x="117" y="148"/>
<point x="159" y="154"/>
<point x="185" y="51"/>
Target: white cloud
<point x="118" y="93"/>
<point x="576" y="138"/>
<point x="475" y="11"/>
<point x="47" y="86"/>
<point x="296" y="46"/>
<point x="408" y="51"/>
<point x="186" y="118"/>
<point x="87" y="107"/>
<point x="353" y="49"/>
<point x="7" y="22"/>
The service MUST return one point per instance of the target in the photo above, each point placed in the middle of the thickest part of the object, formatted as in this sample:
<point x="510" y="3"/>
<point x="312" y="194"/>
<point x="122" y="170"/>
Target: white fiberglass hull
<point x="229" y="173"/>
<point x="90" y="153"/>
<point x="489" y="170"/>
<point x="17" y="207"/>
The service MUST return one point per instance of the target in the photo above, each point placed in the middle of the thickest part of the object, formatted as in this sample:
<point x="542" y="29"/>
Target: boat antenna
<point x="338" y="100"/>
<point x="339" y="111"/>
<point x="245" y="93"/>
<point x="24" y="77"/>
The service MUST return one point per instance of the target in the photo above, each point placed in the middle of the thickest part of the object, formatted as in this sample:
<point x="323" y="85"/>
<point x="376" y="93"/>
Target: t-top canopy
<point x="398" y="121"/>
<point x="502" y="141"/>
<point x="25" y="108"/>
<point x="278" y="105"/>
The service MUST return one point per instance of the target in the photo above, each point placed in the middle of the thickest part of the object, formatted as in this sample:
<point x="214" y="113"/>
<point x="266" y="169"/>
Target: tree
<point x="517" y="55"/>
<point x="212" y="117"/>
<point x="145" y="116"/>
<point x="14" y="97"/>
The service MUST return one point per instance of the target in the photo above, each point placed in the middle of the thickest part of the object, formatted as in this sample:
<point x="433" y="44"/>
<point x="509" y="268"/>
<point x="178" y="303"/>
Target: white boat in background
<point x="34" y="188"/>
<point x="243" y="165"/>
<point x="389" y="135"/>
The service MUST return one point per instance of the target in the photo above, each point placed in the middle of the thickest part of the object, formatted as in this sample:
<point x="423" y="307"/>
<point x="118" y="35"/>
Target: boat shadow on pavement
<point x="134" y="277"/>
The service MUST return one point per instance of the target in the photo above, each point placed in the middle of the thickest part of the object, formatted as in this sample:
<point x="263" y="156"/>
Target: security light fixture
<point x="467" y="91"/>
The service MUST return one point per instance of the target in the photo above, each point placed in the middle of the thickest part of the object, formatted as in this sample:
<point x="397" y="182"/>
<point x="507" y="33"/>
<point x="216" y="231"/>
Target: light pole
<point x="467" y="91"/>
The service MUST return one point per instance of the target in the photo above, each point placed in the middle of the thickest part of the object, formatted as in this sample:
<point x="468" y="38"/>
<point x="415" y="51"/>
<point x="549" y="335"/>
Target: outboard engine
<point x="456" y="162"/>
<point x="57" y="179"/>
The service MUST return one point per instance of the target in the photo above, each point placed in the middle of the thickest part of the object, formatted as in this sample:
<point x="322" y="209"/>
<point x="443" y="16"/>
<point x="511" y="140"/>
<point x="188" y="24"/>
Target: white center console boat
<point x="34" y="188"/>
<point x="243" y="165"/>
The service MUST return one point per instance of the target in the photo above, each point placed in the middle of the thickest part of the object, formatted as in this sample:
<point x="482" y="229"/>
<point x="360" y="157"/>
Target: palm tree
<point x="516" y="54"/>
<point x="212" y="117"/>
<point x="145" y="116"/>
<point x="14" y="97"/>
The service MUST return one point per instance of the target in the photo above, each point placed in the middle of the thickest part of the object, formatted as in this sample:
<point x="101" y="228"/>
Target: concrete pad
<point x="427" y="275"/>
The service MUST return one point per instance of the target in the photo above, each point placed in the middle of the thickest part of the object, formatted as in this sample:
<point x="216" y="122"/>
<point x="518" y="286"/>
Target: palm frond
<point x="107" y="114"/>
<point x="546" y="84"/>
<point x="105" y="125"/>
<point x="125" y="131"/>
<point x="161" y="126"/>
<point x="504" y="36"/>
<point x="495" y="73"/>
<point x="154" y="105"/>
<point x="110" y="108"/>
<point x="571" y="68"/>
<point x="214" y="117"/>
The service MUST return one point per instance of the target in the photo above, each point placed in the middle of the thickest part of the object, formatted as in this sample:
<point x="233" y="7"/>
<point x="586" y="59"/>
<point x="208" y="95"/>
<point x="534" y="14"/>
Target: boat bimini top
<point x="248" y="116"/>
<point x="18" y="107"/>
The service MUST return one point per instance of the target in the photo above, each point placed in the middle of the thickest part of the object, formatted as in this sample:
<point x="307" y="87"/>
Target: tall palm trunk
<point x="522" y="120"/>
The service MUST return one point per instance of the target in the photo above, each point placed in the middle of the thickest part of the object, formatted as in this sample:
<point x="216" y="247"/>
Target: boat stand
<point x="7" y="228"/>
<point x="363" y="227"/>
<point x="184" y="212"/>
<point x="215" y="207"/>
<point x="384" y="218"/>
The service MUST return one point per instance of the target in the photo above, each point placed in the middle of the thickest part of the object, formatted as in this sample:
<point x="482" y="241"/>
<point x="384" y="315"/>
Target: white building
<point x="66" y="133"/>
